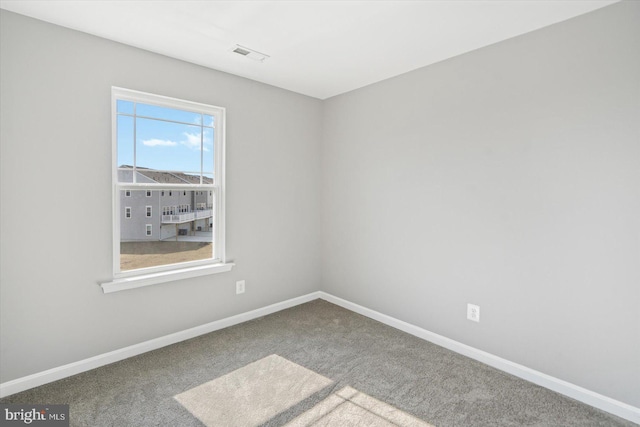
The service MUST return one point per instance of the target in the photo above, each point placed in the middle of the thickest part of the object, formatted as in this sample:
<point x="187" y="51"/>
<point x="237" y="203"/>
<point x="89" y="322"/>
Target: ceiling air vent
<point x="241" y="51"/>
<point x="249" y="53"/>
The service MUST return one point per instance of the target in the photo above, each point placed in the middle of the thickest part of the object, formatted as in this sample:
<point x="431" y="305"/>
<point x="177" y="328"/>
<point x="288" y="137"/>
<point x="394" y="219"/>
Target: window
<point x="167" y="145"/>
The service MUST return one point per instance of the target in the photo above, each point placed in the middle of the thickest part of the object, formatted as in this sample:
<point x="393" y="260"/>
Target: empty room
<point x="320" y="213"/>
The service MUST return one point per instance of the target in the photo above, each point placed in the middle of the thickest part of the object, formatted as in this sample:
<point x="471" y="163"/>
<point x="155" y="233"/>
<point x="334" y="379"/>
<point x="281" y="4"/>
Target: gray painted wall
<point x="508" y="177"/>
<point x="56" y="135"/>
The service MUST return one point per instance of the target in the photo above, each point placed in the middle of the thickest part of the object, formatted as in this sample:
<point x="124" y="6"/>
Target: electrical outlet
<point x="473" y="312"/>
<point x="240" y="287"/>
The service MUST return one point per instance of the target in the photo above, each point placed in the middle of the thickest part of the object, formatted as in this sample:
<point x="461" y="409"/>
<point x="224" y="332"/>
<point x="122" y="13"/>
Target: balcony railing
<point x="187" y="216"/>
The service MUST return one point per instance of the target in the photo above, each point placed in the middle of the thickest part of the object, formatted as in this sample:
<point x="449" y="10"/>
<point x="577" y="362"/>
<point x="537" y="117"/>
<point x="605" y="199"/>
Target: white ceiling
<point x="317" y="48"/>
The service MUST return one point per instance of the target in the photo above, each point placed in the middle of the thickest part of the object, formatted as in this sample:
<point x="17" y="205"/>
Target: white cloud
<point x="193" y="141"/>
<point x="159" y="142"/>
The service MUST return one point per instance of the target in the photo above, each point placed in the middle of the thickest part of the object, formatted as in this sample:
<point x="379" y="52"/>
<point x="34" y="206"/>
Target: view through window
<point x="167" y="182"/>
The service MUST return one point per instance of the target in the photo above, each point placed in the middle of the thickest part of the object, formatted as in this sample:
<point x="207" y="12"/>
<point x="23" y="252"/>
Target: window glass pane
<point x="168" y="114"/>
<point x="125" y="141"/>
<point x="160" y="226"/>
<point x="167" y="146"/>
<point x="182" y="231"/>
<point x="124" y="107"/>
<point x="207" y="154"/>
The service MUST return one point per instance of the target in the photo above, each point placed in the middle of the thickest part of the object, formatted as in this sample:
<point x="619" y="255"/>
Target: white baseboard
<point x="50" y="375"/>
<point x="573" y="391"/>
<point x="591" y="398"/>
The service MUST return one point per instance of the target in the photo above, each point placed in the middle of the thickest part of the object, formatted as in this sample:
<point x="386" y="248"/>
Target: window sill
<point x="134" y="282"/>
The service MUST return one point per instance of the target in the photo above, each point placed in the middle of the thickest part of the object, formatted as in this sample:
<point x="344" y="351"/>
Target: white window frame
<point x="127" y="193"/>
<point x="127" y="212"/>
<point x="148" y="211"/>
<point x="149" y="193"/>
<point x="148" y="276"/>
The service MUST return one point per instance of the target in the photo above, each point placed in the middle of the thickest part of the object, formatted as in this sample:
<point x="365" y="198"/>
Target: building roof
<point x="167" y="177"/>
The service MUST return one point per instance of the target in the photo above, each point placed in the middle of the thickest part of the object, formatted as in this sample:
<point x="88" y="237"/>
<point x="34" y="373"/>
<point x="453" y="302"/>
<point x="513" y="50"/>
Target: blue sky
<point x="165" y="145"/>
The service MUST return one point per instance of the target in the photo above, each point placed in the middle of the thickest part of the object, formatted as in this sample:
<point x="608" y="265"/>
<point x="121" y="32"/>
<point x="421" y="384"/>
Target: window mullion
<point x="135" y="137"/>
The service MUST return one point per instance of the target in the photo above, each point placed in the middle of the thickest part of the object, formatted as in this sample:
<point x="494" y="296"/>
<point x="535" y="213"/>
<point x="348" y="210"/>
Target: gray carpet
<point x="385" y="365"/>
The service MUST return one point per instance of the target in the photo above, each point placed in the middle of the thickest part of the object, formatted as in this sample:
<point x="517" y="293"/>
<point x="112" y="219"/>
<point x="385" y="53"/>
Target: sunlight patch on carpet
<point x="350" y="407"/>
<point x="253" y="394"/>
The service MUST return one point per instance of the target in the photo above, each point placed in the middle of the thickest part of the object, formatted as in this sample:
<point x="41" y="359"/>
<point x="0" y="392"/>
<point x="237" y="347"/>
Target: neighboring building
<point x="163" y="214"/>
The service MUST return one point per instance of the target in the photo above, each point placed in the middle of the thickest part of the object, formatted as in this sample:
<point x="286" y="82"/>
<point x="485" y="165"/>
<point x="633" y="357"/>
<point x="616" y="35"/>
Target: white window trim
<point x="126" y="283"/>
<point x="148" y="211"/>
<point x="148" y="276"/>
<point x="148" y="230"/>
<point x="127" y="211"/>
